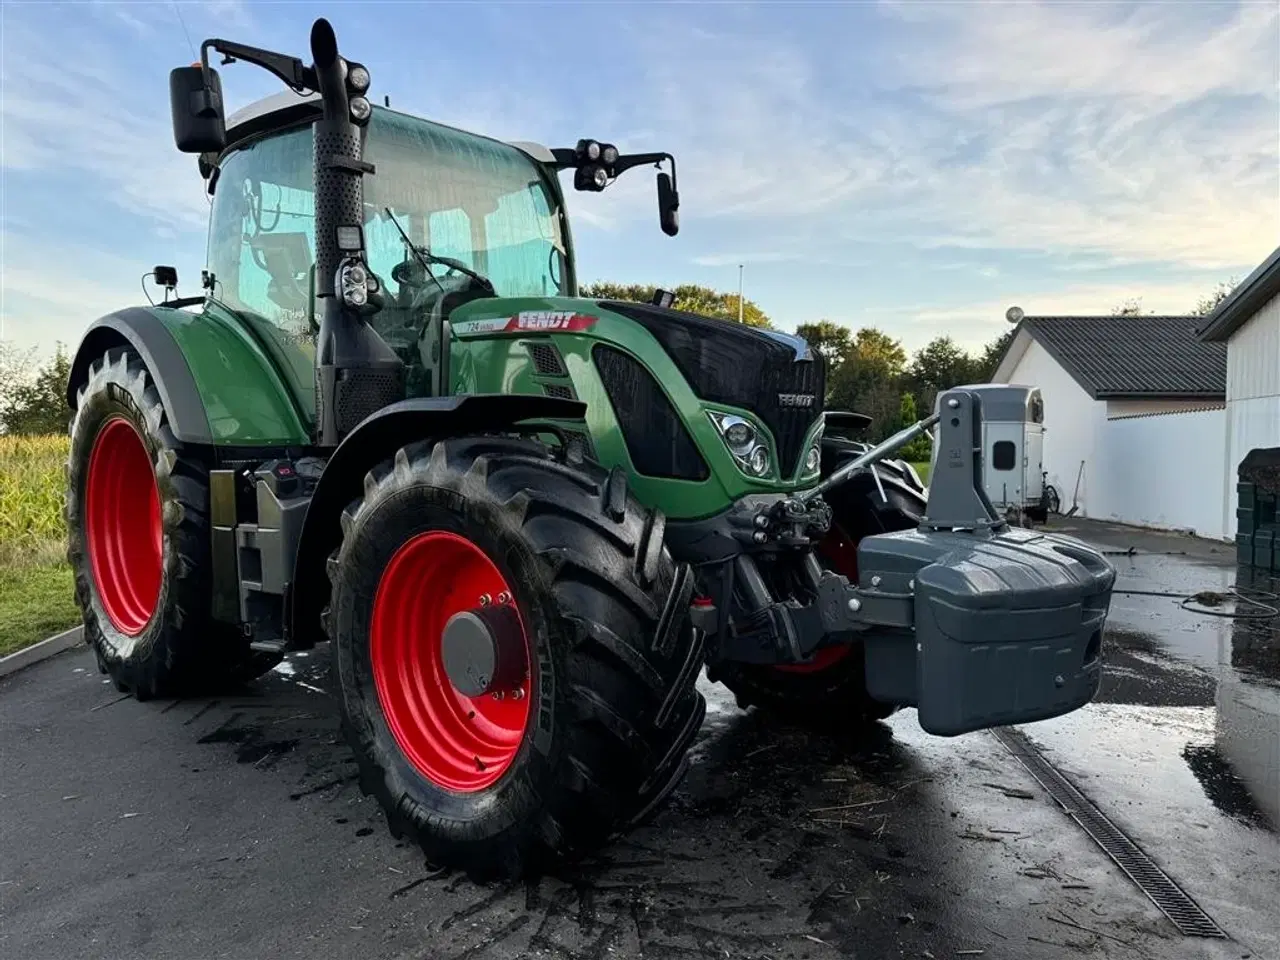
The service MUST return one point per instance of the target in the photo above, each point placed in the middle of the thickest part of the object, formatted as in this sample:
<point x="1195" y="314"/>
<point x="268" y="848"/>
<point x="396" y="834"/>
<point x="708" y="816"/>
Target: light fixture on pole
<point x="740" y="293"/>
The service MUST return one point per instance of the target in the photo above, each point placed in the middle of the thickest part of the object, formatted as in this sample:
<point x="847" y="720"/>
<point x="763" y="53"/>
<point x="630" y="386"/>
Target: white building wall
<point x="1253" y="395"/>
<point x="1072" y="421"/>
<point x="1162" y="471"/>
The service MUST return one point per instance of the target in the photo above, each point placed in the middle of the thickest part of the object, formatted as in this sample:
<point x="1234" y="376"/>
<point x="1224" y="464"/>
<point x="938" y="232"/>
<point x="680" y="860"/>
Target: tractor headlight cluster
<point x="358" y="81"/>
<point x="353" y="283"/>
<point x="748" y="449"/>
<point x="813" y="457"/>
<point x="595" y="165"/>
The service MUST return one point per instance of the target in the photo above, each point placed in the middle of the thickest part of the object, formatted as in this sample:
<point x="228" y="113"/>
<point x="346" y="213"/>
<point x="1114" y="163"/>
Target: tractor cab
<point x="486" y="219"/>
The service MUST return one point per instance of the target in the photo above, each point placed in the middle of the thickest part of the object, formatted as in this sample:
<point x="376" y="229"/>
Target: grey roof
<point x="1245" y="300"/>
<point x="1116" y="358"/>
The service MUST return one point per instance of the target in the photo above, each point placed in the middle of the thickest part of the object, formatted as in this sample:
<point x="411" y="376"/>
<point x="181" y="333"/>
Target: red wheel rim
<point x="458" y="742"/>
<point x="840" y="553"/>
<point x="125" y="535"/>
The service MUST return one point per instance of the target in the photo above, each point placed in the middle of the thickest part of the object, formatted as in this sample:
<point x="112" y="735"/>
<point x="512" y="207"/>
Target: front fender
<point x="375" y="439"/>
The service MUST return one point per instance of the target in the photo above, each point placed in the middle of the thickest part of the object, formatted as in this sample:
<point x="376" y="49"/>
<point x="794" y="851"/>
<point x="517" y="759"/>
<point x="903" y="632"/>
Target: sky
<point x="915" y="166"/>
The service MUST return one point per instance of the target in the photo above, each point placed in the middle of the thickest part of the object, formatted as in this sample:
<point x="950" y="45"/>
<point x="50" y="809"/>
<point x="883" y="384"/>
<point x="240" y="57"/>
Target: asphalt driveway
<point x="234" y="828"/>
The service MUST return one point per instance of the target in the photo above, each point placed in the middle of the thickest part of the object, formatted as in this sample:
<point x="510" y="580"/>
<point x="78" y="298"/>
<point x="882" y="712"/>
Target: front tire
<point x="138" y="543"/>
<point x="594" y="719"/>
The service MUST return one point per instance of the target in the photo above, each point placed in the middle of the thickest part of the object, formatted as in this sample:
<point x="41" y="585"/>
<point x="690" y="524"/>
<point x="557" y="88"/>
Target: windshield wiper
<point x="424" y="255"/>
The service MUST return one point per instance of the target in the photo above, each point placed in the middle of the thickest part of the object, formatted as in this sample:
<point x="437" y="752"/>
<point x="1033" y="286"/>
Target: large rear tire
<point x="138" y="543"/>
<point x="588" y="729"/>
<point x="831" y="690"/>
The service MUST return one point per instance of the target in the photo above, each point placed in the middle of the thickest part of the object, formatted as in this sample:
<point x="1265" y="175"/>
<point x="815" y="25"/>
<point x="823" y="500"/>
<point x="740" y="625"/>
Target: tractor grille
<point x="558" y="390"/>
<point x="656" y="438"/>
<point x="546" y="359"/>
<point x="729" y="363"/>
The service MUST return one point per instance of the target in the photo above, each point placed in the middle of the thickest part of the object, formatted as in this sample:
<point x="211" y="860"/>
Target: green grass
<point x="923" y="470"/>
<point x="36" y="601"/>
<point x="37" y="596"/>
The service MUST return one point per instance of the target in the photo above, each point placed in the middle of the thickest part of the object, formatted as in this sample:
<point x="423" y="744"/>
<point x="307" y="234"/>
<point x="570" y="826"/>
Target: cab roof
<point x="287" y="108"/>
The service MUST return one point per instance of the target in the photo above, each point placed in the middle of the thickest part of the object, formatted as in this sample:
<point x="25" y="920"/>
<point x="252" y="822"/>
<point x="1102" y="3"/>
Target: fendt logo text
<point x="796" y="399"/>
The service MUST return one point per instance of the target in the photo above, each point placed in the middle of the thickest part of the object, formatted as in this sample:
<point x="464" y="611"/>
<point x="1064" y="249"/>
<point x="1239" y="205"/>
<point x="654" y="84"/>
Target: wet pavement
<point x="233" y="828"/>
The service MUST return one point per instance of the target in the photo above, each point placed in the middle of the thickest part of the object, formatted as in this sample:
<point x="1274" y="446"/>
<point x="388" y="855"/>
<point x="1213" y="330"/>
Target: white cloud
<point x="43" y="301"/>
<point x="1147" y="137"/>
<point x="730" y="259"/>
<point x="973" y="323"/>
<point x="77" y="113"/>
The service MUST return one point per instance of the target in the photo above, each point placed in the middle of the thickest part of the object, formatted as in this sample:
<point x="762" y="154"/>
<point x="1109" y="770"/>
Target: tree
<point x="940" y="365"/>
<point x="992" y="353"/>
<point x="833" y="340"/>
<point x="1207" y="305"/>
<point x="876" y="348"/>
<point x="688" y="296"/>
<point x="37" y="404"/>
<point x="15" y="372"/>
<point x="1130" y="308"/>
<point x="867" y="380"/>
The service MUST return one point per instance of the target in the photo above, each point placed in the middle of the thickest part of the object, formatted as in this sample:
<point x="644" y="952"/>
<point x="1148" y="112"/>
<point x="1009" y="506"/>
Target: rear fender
<point x="216" y="375"/>
<point x="147" y="335"/>
<point x="375" y="439"/>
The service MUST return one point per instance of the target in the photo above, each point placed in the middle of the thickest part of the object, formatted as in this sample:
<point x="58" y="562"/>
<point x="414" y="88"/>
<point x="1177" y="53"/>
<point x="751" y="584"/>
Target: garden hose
<point x="1214" y="598"/>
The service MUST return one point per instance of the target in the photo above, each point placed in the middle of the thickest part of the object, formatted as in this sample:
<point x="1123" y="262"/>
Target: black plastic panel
<point x="733" y="364"/>
<point x="656" y="438"/>
<point x="547" y="361"/>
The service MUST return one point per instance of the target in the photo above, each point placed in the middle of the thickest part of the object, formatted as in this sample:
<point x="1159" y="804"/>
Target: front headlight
<point x="813" y="461"/>
<point x="748" y="449"/>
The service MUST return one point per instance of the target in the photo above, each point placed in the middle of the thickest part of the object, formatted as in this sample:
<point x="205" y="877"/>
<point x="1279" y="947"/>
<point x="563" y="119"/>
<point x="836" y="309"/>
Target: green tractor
<point x="524" y="521"/>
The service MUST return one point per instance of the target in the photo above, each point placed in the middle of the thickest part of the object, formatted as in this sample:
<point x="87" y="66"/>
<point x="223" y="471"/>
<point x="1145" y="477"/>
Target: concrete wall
<point x="1163" y="471"/>
<point x="1253" y="395"/>
<point x="1072" y="422"/>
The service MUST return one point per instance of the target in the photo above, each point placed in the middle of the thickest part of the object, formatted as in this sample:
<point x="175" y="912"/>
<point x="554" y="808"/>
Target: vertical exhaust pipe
<point x="357" y="373"/>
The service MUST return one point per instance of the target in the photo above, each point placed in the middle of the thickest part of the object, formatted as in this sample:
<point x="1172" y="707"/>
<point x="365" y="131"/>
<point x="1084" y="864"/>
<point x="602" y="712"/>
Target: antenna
<point x="1014" y="314"/>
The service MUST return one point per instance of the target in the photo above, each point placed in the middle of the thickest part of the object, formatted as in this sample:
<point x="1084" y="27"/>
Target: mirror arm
<point x="289" y="69"/>
<point x="629" y="160"/>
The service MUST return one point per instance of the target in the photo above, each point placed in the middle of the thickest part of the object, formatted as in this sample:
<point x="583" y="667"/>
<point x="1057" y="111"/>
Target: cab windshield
<point x="475" y="200"/>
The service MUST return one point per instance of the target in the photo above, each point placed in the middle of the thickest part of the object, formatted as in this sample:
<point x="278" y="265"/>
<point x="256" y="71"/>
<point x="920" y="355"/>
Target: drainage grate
<point x="1172" y="900"/>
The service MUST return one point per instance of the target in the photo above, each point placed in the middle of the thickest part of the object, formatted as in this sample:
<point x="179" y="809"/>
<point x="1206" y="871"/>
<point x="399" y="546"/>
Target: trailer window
<point x="1004" y="454"/>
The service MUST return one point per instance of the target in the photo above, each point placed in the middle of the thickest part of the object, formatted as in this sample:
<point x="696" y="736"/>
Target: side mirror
<point x="199" y="124"/>
<point x="166" y="276"/>
<point x="668" y="205"/>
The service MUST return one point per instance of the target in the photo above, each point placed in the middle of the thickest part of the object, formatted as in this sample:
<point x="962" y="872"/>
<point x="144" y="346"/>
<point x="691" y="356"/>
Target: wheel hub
<point x="484" y="651"/>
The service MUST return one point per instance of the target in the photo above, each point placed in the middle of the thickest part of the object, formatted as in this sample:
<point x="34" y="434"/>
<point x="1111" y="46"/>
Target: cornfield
<point x="32" y="483"/>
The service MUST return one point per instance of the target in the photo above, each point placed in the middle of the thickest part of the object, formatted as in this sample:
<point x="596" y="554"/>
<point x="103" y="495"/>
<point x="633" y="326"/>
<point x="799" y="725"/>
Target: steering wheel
<point x="413" y="273"/>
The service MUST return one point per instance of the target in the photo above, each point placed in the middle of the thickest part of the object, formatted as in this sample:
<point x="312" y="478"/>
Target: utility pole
<point x="740" y="293"/>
